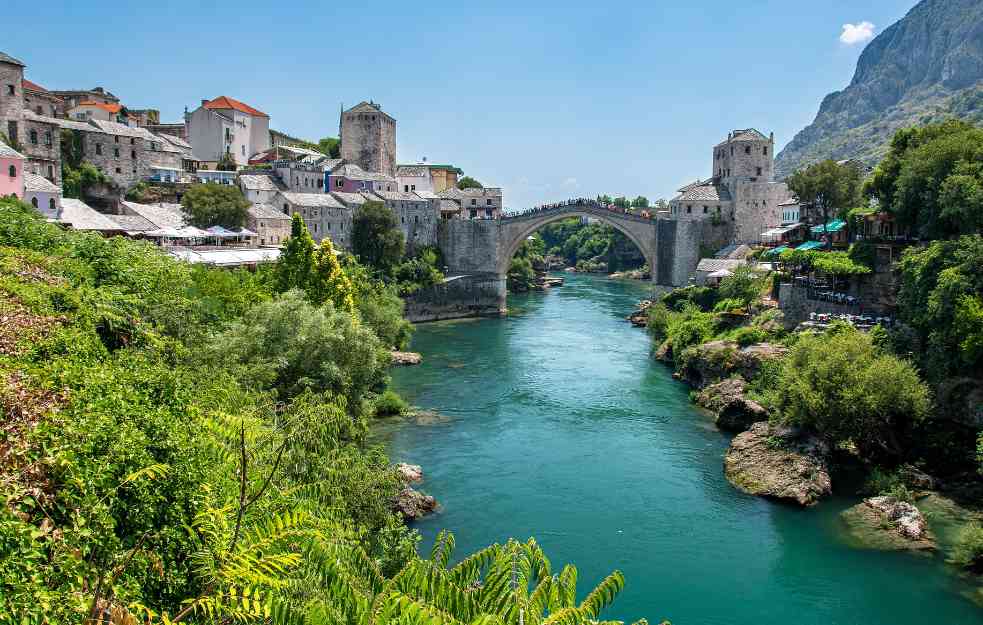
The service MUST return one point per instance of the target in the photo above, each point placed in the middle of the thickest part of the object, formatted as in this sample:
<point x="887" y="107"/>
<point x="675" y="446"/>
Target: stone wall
<point x="756" y="208"/>
<point x="469" y="246"/>
<point x="474" y="295"/>
<point x="41" y="142"/>
<point x="12" y="104"/>
<point x="368" y="139"/>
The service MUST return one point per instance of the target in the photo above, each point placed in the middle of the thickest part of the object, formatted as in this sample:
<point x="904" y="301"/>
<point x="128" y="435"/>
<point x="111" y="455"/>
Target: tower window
<point x="747" y="150"/>
<point x="759" y="171"/>
<point x="764" y="150"/>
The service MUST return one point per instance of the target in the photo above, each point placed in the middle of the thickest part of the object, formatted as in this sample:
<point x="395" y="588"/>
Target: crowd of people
<point x="580" y="201"/>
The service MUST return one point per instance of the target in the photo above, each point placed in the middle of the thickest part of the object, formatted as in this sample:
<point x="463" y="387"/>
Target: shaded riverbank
<point x="557" y="423"/>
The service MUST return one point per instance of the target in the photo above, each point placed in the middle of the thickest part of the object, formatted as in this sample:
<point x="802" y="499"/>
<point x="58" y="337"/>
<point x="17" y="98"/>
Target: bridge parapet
<point x="597" y="208"/>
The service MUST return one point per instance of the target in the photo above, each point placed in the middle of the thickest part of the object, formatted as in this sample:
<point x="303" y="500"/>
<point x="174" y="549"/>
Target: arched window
<point x="34" y="202"/>
<point x="51" y="203"/>
<point x="12" y="170"/>
<point x="34" y="137"/>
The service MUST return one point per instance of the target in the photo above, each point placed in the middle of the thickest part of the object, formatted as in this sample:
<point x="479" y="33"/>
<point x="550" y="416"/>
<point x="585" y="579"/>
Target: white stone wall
<point x="756" y="207"/>
<point x="206" y="134"/>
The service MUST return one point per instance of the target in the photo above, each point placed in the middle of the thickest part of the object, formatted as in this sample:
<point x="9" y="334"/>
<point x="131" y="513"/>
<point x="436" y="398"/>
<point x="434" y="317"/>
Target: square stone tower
<point x="11" y="97"/>
<point x="368" y="138"/>
<point x="747" y="155"/>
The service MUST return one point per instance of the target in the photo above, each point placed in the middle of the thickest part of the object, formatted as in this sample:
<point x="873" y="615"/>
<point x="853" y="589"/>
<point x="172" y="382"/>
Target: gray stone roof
<point x="6" y="58"/>
<point x="710" y="265"/>
<point x="312" y="200"/>
<point x="266" y="211"/>
<point x="734" y="251"/>
<point x="114" y="128"/>
<point x="162" y="215"/>
<point x="350" y="198"/>
<point x="400" y="196"/>
<point x="256" y="182"/>
<point x="704" y="193"/>
<point x="81" y="216"/>
<point x="178" y="141"/>
<point x="368" y="107"/>
<point x="744" y="134"/>
<point x="41" y="119"/>
<point x="39" y="184"/>
<point x="8" y="152"/>
<point x="354" y="172"/>
<point x="449" y="206"/>
<point x="134" y="223"/>
<point x="457" y="194"/>
<point x="328" y="164"/>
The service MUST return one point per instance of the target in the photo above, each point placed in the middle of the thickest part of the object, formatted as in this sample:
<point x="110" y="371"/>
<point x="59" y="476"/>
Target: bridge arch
<point x="640" y="231"/>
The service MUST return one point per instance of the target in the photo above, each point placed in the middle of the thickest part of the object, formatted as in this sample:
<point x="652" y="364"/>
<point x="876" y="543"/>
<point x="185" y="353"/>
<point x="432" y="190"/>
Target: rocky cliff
<point x="926" y="67"/>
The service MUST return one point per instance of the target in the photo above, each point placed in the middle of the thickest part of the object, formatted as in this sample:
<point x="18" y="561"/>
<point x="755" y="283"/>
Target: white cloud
<point x="857" y="33"/>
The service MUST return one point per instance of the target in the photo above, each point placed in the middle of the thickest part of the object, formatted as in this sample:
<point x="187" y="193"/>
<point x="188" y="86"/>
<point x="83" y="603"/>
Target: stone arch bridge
<point x="477" y="253"/>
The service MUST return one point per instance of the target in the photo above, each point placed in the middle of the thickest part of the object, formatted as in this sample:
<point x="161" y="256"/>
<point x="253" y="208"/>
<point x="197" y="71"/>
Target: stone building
<point x="43" y="195"/>
<point x="350" y="178"/>
<point x="72" y="98"/>
<point x="416" y="216"/>
<point x="272" y="226"/>
<point x="300" y="176"/>
<point x="42" y="101"/>
<point x="36" y="138"/>
<point x="324" y="215"/>
<point x="226" y="126"/>
<point x="368" y="138"/>
<point x="741" y="190"/>
<point x="470" y="203"/>
<point x="426" y="177"/>
<point x="258" y="188"/>
<point x="87" y="110"/>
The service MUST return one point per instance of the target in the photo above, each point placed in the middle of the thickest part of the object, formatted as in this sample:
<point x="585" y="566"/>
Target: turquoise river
<point x="556" y="422"/>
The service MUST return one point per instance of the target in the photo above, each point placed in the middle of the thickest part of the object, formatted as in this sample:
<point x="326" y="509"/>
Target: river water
<point x="557" y="423"/>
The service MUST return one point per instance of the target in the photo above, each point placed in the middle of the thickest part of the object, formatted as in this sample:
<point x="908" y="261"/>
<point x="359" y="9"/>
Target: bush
<point x="703" y="297"/>
<point x="728" y="305"/>
<point x="389" y="404"/>
<point x="658" y="321"/>
<point x="840" y="384"/>
<point x="690" y="327"/>
<point x="207" y="205"/>
<point x="749" y="335"/>
<point x="968" y="550"/>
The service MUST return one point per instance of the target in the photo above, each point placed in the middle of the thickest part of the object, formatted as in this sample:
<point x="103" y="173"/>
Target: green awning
<point x="810" y="245"/>
<point x="775" y="251"/>
<point x="834" y="226"/>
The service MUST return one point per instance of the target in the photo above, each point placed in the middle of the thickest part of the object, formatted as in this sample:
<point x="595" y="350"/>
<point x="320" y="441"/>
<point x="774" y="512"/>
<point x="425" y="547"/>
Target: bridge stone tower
<point x="368" y="138"/>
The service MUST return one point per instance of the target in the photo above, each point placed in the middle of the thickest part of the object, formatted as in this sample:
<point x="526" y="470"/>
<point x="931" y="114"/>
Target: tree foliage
<point x="832" y="188"/>
<point x="844" y="386"/>
<point x="295" y="267"/>
<point x="744" y="286"/>
<point x="328" y="282"/>
<point x="377" y="240"/>
<point x="932" y="179"/>
<point x="330" y="146"/>
<point x="207" y="205"/>
<point x="467" y="182"/>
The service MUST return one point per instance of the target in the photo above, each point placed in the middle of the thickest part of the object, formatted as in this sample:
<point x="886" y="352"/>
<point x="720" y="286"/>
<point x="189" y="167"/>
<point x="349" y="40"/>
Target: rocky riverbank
<point x="409" y="502"/>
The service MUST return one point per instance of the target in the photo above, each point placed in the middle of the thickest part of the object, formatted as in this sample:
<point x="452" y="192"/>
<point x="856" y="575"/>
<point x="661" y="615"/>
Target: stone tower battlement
<point x="368" y="138"/>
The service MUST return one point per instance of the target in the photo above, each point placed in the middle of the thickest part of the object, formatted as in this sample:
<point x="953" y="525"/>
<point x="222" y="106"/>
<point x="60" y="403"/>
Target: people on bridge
<point x="592" y="203"/>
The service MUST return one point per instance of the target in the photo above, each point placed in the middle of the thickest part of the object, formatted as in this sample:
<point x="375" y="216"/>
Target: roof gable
<point x="6" y="58"/>
<point x="225" y="102"/>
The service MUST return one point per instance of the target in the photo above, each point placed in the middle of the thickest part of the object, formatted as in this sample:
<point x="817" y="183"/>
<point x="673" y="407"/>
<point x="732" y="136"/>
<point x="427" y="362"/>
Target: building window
<point x="51" y="172"/>
<point x="286" y="209"/>
<point x="689" y="209"/>
<point x="488" y="202"/>
<point x="705" y="209"/>
<point x="133" y="153"/>
<point x="406" y="188"/>
<point x="116" y="152"/>
<point x="51" y="203"/>
<point x="12" y="171"/>
<point x="47" y="137"/>
<point x="764" y="150"/>
<point x="118" y="170"/>
<point x="747" y="150"/>
<point x="34" y="202"/>
<point x="34" y="137"/>
<point x="99" y="149"/>
<point x="329" y="225"/>
<point x="116" y="138"/>
<point x="474" y="202"/>
<point x="759" y="171"/>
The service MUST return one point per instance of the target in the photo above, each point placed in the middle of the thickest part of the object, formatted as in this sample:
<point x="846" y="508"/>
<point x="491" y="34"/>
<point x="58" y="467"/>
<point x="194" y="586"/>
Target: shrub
<point x="728" y="305"/>
<point x="749" y="335"/>
<point x="842" y="385"/>
<point x="703" y="297"/>
<point x="968" y="550"/>
<point x="389" y="404"/>
<point x="658" y="321"/>
<point x="690" y="327"/>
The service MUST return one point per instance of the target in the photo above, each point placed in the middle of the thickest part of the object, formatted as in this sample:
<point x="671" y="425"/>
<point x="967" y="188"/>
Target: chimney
<point x="771" y="136"/>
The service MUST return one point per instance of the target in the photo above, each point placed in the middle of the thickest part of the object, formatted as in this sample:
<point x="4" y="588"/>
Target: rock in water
<point x="734" y="412"/>
<point x="413" y="504"/>
<point x="410" y="473"/>
<point x="888" y="523"/>
<point x="779" y="463"/>
<point x="404" y="359"/>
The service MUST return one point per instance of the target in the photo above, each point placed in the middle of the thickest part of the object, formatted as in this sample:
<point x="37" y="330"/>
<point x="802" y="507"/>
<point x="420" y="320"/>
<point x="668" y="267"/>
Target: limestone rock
<point x="405" y="359"/>
<point x="888" y="523"/>
<point x="779" y="463"/>
<point x="706" y="363"/>
<point x="410" y="473"/>
<point x="640" y="317"/>
<point x="413" y="504"/>
<point x="734" y="412"/>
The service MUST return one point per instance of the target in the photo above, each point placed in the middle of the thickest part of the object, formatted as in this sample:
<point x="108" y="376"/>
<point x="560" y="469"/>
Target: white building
<point x="43" y="195"/>
<point x="227" y="126"/>
<point x="257" y="188"/>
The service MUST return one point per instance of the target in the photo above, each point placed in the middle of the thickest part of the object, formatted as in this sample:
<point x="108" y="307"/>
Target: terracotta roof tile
<point x="225" y="102"/>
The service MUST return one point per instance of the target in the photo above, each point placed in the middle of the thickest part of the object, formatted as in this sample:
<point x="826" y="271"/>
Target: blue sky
<point x="548" y="100"/>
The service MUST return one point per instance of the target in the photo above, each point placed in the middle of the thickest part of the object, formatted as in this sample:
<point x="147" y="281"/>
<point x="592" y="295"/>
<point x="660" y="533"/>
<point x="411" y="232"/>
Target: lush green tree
<point x="331" y="146"/>
<point x="622" y="202"/>
<point x="76" y="182"/>
<point x="296" y="264"/>
<point x="640" y="202"/>
<point x="832" y="188"/>
<point x="379" y="305"/>
<point x="743" y="285"/>
<point x="419" y="272"/>
<point x="290" y="346"/>
<point x="207" y="205"/>
<point x="328" y="282"/>
<point x="940" y="297"/>
<point x="604" y="199"/>
<point x="932" y="180"/>
<point x="468" y="182"/>
<point x="845" y="387"/>
<point x="226" y="163"/>
<point x="376" y="238"/>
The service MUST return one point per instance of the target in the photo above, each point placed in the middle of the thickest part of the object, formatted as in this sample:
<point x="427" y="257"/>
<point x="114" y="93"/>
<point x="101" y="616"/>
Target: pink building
<point x="11" y="172"/>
